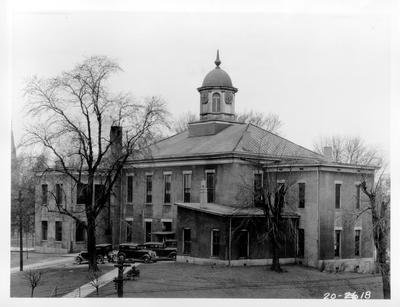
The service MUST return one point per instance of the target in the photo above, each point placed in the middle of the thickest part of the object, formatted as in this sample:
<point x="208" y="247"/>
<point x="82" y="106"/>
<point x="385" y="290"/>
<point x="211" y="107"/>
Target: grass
<point x="65" y="278"/>
<point x="180" y="280"/>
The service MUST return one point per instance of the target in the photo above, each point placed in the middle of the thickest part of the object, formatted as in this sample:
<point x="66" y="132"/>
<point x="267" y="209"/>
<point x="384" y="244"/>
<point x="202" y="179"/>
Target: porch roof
<point x="224" y="210"/>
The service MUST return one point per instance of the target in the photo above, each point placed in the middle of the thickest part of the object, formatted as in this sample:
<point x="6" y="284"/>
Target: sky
<point x="323" y="72"/>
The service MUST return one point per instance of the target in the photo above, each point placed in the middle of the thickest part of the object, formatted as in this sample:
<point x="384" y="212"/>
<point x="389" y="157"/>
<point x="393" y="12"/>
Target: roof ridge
<point x="287" y="140"/>
<point x="241" y="137"/>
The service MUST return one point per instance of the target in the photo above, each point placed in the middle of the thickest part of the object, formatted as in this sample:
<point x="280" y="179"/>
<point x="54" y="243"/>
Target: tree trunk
<point x="32" y="289"/>
<point x="276" y="266"/>
<point x="383" y="266"/>
<point x="91" y="243"/>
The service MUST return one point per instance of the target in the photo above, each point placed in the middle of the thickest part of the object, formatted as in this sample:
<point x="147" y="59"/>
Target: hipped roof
<point x="236" y="138"/>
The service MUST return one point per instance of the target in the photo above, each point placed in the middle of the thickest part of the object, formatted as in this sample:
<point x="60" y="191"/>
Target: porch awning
<point x="223" y="210"/>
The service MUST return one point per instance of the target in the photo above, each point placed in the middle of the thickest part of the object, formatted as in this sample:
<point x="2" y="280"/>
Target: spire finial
<point x="217" y="61"/>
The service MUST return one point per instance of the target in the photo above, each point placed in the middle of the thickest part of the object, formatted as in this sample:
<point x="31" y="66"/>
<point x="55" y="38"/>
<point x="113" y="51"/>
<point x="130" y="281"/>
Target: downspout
<point x="230" y="241"/>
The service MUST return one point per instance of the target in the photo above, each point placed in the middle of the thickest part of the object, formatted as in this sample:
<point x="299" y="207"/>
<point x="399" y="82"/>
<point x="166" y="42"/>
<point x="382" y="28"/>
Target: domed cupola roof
<point x="217" y="77"/>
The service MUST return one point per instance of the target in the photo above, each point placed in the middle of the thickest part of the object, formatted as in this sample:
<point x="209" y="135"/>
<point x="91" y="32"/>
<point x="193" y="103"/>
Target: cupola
<point x="217" y="95"/>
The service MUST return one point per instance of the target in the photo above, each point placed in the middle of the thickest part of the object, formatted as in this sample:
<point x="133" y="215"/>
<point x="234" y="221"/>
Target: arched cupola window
<point x="216" y="102"/>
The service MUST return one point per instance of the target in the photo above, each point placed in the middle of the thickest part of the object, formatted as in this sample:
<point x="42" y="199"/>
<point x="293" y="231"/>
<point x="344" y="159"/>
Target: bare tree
<point x="72" y="116"/>
<point x="94" y="281"/>
<point x="351" y="150"/>
<point x="181" y="123"/>
<point x="270" y="194"/>
<point x="34" y="278"/>
<point x="23" y="198"/>
<point x="379" y="206"/>
<point x="270" y="122"/>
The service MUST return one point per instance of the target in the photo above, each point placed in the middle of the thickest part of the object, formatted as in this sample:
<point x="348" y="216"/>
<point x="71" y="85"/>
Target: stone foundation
<point x="239" y="262"/>
<point x="358" y="265"/>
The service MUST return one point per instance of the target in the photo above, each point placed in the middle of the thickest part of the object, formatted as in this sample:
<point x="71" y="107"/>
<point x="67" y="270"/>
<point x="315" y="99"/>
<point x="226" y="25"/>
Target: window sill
<point x="148" y="204"/>
<point x="167" y="204"/>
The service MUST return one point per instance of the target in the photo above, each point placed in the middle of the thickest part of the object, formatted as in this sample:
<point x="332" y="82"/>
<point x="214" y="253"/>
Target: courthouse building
<point x="193" y="189"/>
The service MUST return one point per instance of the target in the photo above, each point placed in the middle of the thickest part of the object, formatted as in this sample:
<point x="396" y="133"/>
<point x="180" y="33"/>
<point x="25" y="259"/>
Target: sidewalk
<point x="64" y="259"/>
<point x="87" y="289"/>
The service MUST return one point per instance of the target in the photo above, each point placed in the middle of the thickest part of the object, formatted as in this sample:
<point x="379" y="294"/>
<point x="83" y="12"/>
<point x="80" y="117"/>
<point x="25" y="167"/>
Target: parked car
<point x="162" y="250"/>
<point x="171" y="243"/>
<point x="103" y="251"/>
<point x="136" y="252"/>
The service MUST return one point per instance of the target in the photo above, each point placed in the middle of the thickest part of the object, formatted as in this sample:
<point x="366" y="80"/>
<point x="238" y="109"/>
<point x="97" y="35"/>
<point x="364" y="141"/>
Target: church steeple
<point x="217" y="95"/>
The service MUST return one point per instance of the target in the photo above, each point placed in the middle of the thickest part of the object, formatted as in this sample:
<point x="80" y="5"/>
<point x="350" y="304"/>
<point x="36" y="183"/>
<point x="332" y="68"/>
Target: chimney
<point x="328" y="152"/>
<point x="116" y="141"/>
<point x="203" y="194"/>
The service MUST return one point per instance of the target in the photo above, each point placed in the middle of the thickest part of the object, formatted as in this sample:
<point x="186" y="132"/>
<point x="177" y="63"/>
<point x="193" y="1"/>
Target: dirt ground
<point x="179" y="280"/>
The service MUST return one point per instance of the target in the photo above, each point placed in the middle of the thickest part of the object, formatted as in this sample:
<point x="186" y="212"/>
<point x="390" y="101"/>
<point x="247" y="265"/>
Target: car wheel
<point x="99" y="259"/>
<point x="172" y="256"/>
<point x="122" y="256"/>
<point x="146" y="258"/>
<point x="78" y="260"/>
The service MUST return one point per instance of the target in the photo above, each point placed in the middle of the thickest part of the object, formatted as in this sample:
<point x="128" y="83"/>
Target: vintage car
<point x="134" y="251"/>
<point x="163" y="250"/>
<point x="103" y="251"/>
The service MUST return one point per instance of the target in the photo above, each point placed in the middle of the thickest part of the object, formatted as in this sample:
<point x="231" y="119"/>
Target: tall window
<point x="79" y="232"/>
<point x="129" y="226"/>
<point x="44" y="194"/>
<point x="149" y="189"/>
<point x="243" y="244"/>
<point x="357" y="242"/>
<point x="210" y="178"/>
<point x="81" y="193"/>
<point x="300" y="242"/>
<point x="358" y="196"/>
<point x="166" y="226"/>
<point x="167" y="188"/>
<point x="216" y="102"/>
<point x="187" y="186"/>
<point x="337" y="195"/>
<point x="58" y="231"/>
<point x="44" y="230"/>
<point x="59" y="194"/>
<point x="99" y="190"/>
<point x="148" y="231"/>
<point x="129" y="189"/>
<point x="302" y="194"/>
<point x="337" y="243"/>
<point x="187" y="241"/>
<point x="215" y="238"/>
<point x="257" y="189"/>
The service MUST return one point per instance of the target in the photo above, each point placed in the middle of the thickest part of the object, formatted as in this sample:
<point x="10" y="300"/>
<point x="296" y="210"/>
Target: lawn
<point x="61" y="280"/>
<point x="180" y="280"/>
<point x="31" y="257"/>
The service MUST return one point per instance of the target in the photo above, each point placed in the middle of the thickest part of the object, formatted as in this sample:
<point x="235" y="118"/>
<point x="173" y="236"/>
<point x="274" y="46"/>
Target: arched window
<point x="216" y="102"/>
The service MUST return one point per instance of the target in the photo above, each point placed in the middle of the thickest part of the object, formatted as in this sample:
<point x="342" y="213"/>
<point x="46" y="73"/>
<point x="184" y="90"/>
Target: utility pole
<point x="21" y="247"/>
<point x="119" y="280"/>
